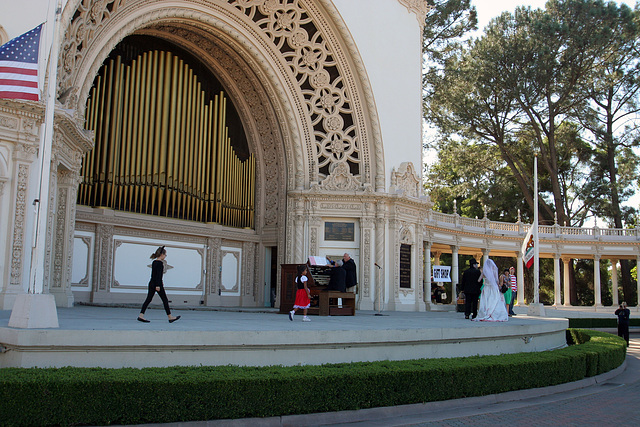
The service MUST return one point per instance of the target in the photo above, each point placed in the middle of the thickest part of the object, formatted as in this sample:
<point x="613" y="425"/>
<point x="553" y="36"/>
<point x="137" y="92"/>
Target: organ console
<point x="323" y="302"/>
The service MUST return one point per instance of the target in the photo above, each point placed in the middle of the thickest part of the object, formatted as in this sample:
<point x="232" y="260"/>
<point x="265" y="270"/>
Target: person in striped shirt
<point x="514" y="288"/>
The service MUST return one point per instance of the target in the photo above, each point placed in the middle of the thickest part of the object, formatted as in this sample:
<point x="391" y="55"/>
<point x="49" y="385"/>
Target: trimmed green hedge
<point x="96" y="396"/>
<point x="600" y="322"/>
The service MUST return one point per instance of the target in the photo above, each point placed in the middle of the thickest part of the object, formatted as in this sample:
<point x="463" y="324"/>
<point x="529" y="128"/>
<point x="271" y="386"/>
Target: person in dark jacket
<point x="337" y="277"/>
<point x="350" y="266"/>
<point x="623" y="321"/>
<point x="471" y="287"/>
<point x="156" y="285"/>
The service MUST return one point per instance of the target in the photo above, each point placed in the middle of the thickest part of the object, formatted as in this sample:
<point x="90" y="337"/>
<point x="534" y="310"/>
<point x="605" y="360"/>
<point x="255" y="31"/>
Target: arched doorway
<point x="302" y="110"/>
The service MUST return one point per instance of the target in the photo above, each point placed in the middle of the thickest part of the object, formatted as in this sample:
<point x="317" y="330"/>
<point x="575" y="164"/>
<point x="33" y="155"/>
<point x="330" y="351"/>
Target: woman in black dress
<point x="156" y="285"/>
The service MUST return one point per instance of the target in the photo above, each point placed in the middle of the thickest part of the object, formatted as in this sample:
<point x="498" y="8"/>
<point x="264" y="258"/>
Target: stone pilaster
<point x="614" y="282"/>
<point x="427" y="273"/>
<point x="62" y="237"/>
<point x="520" y="277"/>
<point x="565" y="281"/>
<point x="455" y="273"/>
<point x="103" y="262"/>
<point x="367" y="270"/>
<point x="380" y="259"/>
<point x="557" y="298"/>
<point x="597" y="291"/>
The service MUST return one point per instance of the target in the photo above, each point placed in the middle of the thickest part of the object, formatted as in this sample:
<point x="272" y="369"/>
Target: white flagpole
<point x="36" y="275"/>
<point x="536" y="248"/>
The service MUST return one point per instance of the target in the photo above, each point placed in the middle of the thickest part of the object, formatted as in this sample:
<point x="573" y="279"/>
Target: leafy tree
<point x="612" y="96"/>
<point x="447" y="22"/>
<point x="546" y="81"/>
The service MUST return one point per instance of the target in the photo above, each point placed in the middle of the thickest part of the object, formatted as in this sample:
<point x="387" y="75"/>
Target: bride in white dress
<point x="492" y="307"/>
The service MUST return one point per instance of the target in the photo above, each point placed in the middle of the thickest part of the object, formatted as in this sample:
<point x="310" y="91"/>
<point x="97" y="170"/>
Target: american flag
<point x="19" y="66"/>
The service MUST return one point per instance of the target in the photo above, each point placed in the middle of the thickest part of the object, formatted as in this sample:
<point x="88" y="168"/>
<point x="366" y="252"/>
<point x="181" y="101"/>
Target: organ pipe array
<point x="161" y="148"/>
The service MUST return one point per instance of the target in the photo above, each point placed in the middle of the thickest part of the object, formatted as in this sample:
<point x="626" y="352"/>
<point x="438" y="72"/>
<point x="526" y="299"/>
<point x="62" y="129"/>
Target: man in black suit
<point x="337" y="277"/>
<point x="350" y="266"/>
<point x="471" y="288"/>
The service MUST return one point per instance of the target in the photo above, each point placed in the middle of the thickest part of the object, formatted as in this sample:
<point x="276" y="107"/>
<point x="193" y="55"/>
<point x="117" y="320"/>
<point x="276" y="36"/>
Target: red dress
<point x="302" y="299"/>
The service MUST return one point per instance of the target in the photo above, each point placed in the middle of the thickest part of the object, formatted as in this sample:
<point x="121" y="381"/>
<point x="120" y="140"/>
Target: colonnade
<point x="481" y="238"/>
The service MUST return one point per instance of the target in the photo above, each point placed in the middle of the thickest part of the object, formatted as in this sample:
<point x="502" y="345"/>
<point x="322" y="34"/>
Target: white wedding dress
<point x="492" y="307"/>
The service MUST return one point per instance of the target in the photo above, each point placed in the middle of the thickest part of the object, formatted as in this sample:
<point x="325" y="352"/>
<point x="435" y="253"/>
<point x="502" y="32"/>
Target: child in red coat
<point x="303" y="295"/>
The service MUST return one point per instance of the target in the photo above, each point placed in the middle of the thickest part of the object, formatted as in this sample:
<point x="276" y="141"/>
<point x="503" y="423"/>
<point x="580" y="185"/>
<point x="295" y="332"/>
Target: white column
<point x="565" y="282"/>
<point x="427" y="273"/>
<point x="557" y="301"/>
<point x="520" y="276"/>
<point x="614" y="282"/>
<point x="454" y="274"/>
<point x="597" y="297"/>
<point x="485" y="255"/>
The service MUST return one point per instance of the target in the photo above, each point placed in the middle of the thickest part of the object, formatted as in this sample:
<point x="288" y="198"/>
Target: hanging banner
<point x="441" y="273"/>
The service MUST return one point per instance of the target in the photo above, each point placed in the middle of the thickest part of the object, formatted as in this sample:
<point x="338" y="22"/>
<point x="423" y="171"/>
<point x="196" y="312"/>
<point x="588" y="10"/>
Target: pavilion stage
<point x="111" y="337"/>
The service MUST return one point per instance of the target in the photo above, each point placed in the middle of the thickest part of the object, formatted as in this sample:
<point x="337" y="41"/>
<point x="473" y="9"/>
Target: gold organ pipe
<point x="152" y="158"/>
<point x="172" y="138"/>
<point x="161" y="148"/>
<point x="183" y="140"/>
<point x="122" y="95"/>
<point x="126" y="140"/>
<point x="104" y="137"/>
<point x="178" y="137"/>
<point x="138" y="84"/>
<point x="195" y="149"/>
<point x="91" y="156"/>
<point x="197" y="152"/>
<point x="218" y="187"/>
<point x="112" y="161"/>
<point x="229" y="186"/>
<point x="163" y="134"/>
<point x="187" y="145"/>
<point x="143" y="131"/>
<point x="214" y="166"/>
<point x="204" y="181"/>
<point x="133" y="131"/>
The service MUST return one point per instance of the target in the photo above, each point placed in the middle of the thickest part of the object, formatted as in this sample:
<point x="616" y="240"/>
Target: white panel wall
<point x="132" y="266"/>
<point x="389" y="41"/>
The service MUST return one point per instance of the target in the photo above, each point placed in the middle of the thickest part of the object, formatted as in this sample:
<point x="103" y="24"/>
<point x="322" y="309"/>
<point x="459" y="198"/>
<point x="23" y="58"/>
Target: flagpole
<point x="36" y="275"/>
<point x="536" y="246"/>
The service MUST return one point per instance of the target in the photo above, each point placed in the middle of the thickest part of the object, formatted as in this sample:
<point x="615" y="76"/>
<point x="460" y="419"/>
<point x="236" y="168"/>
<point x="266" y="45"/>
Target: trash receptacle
<point x="460" y="303"/>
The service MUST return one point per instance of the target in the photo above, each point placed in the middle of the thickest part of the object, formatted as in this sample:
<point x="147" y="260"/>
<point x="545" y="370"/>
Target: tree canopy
<point x="561" y="83"/>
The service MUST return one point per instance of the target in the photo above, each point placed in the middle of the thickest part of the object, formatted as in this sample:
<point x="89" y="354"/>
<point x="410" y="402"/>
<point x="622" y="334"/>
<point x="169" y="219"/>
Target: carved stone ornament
<point x="341" y="179"/>
<point x="419" y="7"/>
<point x="405" y="180"/>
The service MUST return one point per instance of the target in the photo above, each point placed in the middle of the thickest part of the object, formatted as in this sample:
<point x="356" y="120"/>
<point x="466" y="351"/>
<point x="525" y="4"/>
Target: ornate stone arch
<point x="326" y="116"/>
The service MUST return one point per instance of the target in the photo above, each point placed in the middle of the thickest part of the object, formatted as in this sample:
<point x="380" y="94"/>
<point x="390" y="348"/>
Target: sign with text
<point x="441" y="273"/>
<point x="405" y="266"/>
<point x="339" y="231"/>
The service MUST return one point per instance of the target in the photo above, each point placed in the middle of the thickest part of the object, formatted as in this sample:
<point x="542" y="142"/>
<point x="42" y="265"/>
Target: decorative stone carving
<point x="8" y="122"/>
<point x="405" y="180"/>
<point x="17" y="251"/>
<point x="419" y="7"/>
<point x="340" y="179"/>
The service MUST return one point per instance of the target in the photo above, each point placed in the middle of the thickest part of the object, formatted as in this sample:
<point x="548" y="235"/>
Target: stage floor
<point x="111" y="337"/>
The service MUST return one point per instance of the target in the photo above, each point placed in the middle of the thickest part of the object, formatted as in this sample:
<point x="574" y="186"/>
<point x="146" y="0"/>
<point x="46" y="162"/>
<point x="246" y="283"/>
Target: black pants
<point x="163" y="297"/>
<point x="623" y="331"/>
<point x="470" y="304"/>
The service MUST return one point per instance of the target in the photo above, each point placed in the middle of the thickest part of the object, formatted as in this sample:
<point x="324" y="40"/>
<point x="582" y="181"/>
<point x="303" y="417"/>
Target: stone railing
<point x="454" y="221"/>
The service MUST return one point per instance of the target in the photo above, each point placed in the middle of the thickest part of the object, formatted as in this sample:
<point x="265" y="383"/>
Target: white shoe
<point x="306" y="319"/>
<point x="291" y="313"/>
